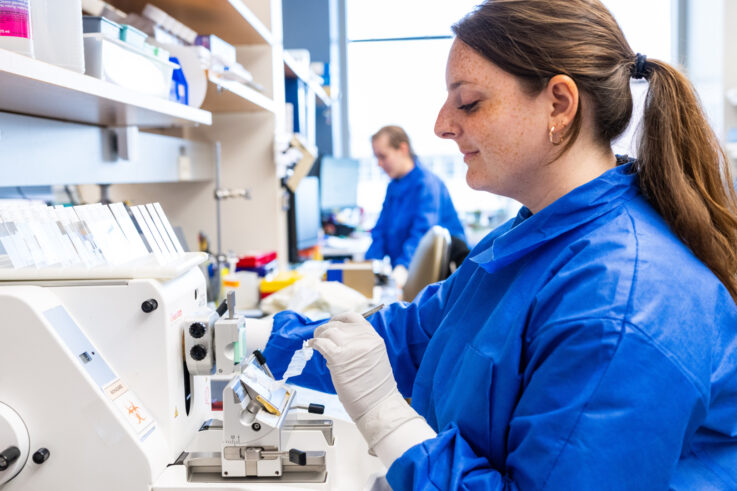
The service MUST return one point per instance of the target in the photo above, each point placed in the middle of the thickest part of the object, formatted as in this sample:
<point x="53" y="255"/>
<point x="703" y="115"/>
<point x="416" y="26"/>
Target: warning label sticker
<point x="131" y="407"/>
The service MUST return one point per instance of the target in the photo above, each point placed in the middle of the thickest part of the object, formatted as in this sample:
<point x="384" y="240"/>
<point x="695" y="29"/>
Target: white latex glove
<point x="400" y="274"/>
<point x="362" y="376"/>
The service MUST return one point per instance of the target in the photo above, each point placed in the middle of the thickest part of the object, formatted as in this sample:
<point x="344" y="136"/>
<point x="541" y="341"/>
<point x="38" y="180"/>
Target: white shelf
<point x="256" y="25"/>
<point x="147" y="267"/>
<point x="32" y="87"/>
<point x="230" y="20"/>
<point x="293" y="70"/>
<point x="229" y="96"/>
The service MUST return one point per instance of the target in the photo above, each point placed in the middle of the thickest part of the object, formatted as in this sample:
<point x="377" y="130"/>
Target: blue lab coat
<point x="412" y="205"/>
<point x="583" y="347"/>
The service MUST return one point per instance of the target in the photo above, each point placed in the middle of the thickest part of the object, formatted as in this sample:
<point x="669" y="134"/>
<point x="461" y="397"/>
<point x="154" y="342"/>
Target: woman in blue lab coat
<point x="588" y="343"/>
<point x="416" y="199"/>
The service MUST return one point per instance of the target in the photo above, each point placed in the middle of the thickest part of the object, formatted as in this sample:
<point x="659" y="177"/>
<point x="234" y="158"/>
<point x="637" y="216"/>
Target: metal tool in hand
<point x="371" y="312"/>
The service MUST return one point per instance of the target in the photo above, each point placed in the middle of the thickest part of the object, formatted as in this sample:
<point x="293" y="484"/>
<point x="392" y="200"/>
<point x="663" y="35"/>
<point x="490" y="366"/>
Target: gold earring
<point x="551" y="135"/>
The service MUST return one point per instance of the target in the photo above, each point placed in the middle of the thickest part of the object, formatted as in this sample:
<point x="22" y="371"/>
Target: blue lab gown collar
<point x="528" y="231"/>
<point x="403" y="183"/>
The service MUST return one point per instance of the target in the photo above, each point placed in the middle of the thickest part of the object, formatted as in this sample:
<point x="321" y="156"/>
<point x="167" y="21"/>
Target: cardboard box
<point x="359" y="276"/>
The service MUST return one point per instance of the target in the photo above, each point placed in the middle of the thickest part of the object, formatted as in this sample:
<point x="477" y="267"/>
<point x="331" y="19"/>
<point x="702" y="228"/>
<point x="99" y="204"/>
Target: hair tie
<point x="640" y="68"/>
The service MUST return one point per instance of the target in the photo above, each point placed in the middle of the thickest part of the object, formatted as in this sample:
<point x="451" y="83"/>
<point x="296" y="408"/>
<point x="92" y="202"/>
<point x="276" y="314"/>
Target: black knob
<point x="149" y="305"/>
<point x="197" y="330"/>
<point x="8" y="456"/>
<point x="316" y="409"/>
<point x="260" y="357"/>
<point x="41" y="455"/>
<point x="198" y="352"/>
<point x="256" y="426"/>
<point x="297" y="457"/>
<point x="222" y="308"/>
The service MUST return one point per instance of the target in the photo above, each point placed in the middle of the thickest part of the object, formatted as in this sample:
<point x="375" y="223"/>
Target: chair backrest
<point x="458" y="253"/>
<point x="429" y="263"/>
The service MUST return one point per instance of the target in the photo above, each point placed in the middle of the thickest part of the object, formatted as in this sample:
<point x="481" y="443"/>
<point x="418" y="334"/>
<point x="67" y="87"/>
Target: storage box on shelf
<point x="127" y="66"/>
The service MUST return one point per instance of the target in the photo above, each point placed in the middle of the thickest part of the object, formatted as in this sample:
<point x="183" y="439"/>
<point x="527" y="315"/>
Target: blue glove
<point x="289" y="331"/>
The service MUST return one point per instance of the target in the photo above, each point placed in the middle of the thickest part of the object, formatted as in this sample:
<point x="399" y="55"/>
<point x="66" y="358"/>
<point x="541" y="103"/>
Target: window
<point x="649" y="37"/>
<point x="385" y="19"/>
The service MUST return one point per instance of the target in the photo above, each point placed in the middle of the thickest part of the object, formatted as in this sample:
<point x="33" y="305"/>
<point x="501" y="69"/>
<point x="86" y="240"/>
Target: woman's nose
<point x="444" y="127"/>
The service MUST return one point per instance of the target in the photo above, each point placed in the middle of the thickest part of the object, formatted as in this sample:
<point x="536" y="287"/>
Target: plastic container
<point x="57" y="33"/>
<point x="222" y="51"/>
<point x="101" y="25"/>
<point x="170" y="24"/>
<point x="149" y="49"/>
<point x="282" y="280"/>
<point x="246" y="287"/>
<point x="263" y="270"/>
<point x="162" y="54"/>
<point x="190" y="59"/>
<point x="179" y="91"/>
<point x="255" y="259"/>
<point x="122" y="64"/>
<point x="15" y="26"/>
<point x="132" y="36"/>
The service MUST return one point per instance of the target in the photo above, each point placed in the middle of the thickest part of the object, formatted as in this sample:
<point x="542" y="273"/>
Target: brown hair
<point x="682" y="169"/>
<point x="396" y="136"/>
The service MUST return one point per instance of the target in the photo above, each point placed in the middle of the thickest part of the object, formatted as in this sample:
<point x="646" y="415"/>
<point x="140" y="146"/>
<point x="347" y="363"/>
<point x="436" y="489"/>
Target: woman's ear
<point x="563" y="96"/>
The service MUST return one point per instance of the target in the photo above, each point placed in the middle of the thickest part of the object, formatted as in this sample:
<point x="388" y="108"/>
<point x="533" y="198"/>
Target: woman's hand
<point x="362" y="375"/>
<point x="358" y="362"/>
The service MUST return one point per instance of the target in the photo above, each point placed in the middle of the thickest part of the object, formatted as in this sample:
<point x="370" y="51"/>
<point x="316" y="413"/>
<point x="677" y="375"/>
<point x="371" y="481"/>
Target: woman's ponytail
<point x="685" y="173"/>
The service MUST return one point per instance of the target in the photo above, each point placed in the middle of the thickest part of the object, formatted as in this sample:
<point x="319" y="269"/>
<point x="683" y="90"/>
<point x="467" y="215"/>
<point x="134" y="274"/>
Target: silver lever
<point x="231" y="304"/>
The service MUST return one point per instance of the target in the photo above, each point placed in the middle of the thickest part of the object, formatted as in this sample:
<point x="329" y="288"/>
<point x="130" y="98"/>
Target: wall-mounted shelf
<point x="228" y="96"/>
<point x="293" y="70"/>
<point x="32" y="87"/>
<point x="231" y="20"/>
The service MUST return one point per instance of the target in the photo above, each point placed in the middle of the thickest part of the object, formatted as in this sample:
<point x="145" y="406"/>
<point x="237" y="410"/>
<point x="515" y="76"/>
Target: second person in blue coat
<point x="416" y="199"/>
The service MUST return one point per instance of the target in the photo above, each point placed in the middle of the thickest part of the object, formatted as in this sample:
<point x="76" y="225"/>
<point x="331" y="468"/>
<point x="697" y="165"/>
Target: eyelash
<point x="468" y="107"/>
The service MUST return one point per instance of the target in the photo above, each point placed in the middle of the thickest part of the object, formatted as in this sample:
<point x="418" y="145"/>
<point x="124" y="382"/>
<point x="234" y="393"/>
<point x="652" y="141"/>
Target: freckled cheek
<point x="513" y="135"/>
<point x="496" y="137"/>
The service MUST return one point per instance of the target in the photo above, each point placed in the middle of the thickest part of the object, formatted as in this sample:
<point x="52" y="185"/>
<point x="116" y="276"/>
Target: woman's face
<point x="499" y="128"/>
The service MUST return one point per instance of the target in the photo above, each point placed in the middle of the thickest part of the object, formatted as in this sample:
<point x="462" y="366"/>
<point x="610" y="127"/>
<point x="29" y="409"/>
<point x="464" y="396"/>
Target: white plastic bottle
<point x="15" y="26"/>
<point x="57" y="32"/>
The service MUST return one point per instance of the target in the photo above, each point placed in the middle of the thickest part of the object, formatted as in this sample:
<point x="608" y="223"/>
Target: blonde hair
<point x="396" y="136"/>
